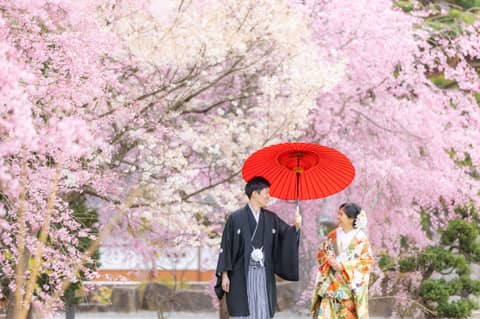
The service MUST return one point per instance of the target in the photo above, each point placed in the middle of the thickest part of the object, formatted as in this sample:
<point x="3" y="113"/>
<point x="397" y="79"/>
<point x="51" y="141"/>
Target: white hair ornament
<point x="361" y="220"/>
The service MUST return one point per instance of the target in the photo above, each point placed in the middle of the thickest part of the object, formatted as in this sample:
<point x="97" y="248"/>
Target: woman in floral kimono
<point x="341" y="287"/>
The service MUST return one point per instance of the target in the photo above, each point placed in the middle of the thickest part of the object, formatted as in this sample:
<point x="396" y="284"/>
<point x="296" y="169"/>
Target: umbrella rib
<point x="275" y="177"/>
<point x="310" y="180"/>
<point x="330" y="186"/>
<point x="286" y="184"/>
<point x="344" y="170"/>
<point x="322" y="184"/>
<point x="333" y="182"/>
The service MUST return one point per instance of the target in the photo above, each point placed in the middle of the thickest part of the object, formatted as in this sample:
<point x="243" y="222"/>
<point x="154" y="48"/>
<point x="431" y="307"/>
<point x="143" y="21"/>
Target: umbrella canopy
<point x="299" y="171"/>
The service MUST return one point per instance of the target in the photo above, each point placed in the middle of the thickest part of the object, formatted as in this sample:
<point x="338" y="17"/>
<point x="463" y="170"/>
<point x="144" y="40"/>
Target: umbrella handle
<point x="297" y="175"/>
<point x="297" y="211"/>
<point x="298" y="215"/>
<point x="298" y="171"/>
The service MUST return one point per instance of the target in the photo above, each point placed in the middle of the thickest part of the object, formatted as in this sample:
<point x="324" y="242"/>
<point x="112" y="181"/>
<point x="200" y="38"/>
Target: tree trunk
<point x="10" y="313"/>
<point x="223" y="312"/>
<point x="10" y="307"/>
<point x="69" y="311"/>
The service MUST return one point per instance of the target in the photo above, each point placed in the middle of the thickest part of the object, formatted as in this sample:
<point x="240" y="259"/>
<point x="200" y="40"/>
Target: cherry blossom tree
<point x="405" y="133"/>
<point x="206" y="101"/>
<point x="47" y="146"/>
<point x="144" y="109"/>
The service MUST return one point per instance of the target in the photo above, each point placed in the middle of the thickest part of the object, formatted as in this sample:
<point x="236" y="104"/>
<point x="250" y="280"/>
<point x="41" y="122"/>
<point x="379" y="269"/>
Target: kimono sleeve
<point x="286" y="246"/>
<point x="322" y="256"/>
<point x="224" y="263"/>
<point x="357" y="272"/>
<point x="322" y="273"/>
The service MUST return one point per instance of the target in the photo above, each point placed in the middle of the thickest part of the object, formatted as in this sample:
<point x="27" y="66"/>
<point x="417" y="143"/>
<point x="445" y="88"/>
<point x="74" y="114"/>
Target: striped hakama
<point x="257" y="293"/>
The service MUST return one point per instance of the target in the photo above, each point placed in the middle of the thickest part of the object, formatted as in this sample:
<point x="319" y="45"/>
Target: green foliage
<point x="453" y="22"/>
<point x="405" y="5"/>
<point x="467" y="4"/>
<point x="88" y="218"/>
<point x="469" y="18"/>
<point x="404" y="243"/>
<point x="407" y="264"/>
<point x="442" y="82"/>
<point x="426" y="223"/>
<point x="435" y="290"/>
<point x="457" y="246"/>
<point x="458" y="309"/>
<point x="465" y="162"/>
<point x="461" y="234"/>
<point x="470" y="286"/>
<point x="439" y="291"/>
<point x="454" y="13"/>
<point x="447" y="25"/>
<point x="441" y="260"/>
<point x="466" y="17"/>
<point x="468" y="211"/>
<point x="386" y="263"/>
<point x="477" y="97"/>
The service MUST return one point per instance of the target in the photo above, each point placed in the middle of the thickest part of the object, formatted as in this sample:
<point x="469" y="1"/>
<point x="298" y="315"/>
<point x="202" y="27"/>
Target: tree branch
<point x="177" y="105"/>
<point x="424" y="308"/>
<point x="208" y="108"/>
<point x="185" y="197"/>
<point x="385" y="128"/>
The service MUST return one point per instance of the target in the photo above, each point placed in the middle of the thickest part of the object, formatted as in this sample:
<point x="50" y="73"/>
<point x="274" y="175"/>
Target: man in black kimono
<point x="256" y="244"/>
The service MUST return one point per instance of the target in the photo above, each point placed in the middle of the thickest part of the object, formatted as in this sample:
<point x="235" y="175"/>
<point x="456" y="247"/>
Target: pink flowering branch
<point x="105" y="232"/>
<point x="34" y="266"/>
<point x="19" y="274"/>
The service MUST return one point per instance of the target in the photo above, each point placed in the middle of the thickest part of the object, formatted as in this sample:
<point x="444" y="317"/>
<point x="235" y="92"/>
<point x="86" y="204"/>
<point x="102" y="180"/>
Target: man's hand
<point x="225" y="282"/>
<point x="298" y="219"/>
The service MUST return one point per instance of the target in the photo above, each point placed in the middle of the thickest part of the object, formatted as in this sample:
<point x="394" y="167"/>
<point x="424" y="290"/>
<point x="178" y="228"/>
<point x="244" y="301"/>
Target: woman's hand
<point x="333" y="263"/>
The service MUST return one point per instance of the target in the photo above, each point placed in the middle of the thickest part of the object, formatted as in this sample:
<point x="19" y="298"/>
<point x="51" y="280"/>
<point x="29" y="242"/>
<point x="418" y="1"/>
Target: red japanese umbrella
<point x="299" y="171"/>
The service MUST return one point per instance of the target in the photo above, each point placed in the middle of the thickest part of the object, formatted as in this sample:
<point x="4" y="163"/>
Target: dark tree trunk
<point x="69" y="311"/>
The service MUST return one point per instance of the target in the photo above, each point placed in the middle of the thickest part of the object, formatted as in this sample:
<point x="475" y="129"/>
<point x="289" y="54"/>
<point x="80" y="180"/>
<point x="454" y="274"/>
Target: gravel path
<point x="171" y="315"/>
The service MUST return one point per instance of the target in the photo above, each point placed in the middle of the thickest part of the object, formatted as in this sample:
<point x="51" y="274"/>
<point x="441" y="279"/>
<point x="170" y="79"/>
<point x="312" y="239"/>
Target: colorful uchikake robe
<point x="343" y="294"/>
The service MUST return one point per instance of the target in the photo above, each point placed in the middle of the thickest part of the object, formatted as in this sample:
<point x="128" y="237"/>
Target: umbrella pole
<point x="298" y="171"/>
<point x="298" y="192"/>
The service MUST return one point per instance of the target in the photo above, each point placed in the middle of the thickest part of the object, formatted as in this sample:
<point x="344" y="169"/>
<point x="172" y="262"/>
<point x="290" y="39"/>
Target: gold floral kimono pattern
<point x="343" y="294"/>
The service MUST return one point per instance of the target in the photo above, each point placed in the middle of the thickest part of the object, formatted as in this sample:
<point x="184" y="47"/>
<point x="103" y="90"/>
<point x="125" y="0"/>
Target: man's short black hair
<point x="256" y="184"/>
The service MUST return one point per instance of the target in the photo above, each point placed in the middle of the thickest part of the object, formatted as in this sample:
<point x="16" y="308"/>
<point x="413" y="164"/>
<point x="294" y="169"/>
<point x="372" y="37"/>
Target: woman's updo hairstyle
<point x="352" y="210"/>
